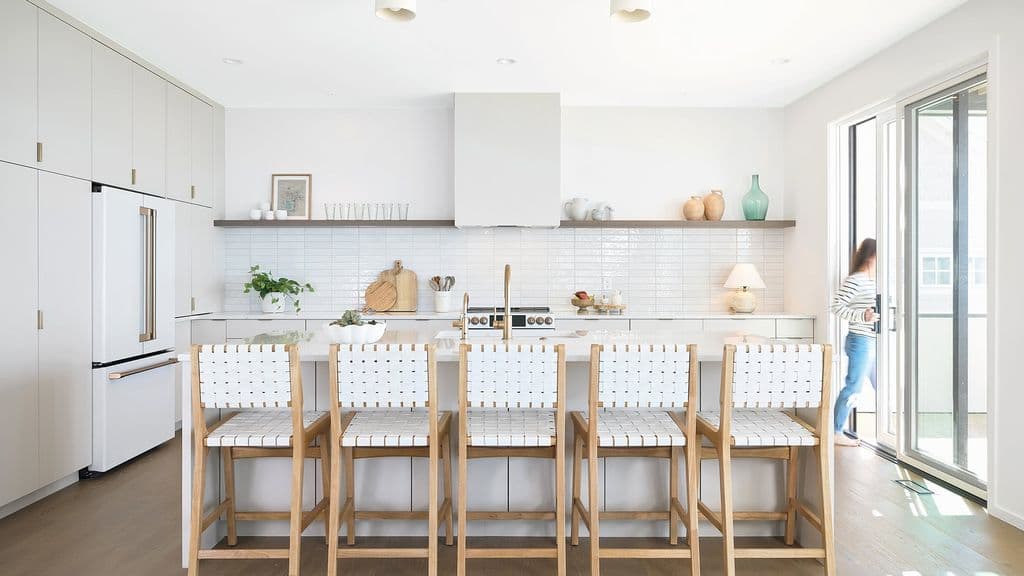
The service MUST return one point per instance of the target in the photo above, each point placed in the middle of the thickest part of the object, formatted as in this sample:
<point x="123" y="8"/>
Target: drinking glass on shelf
<point x="403" y="211"/>
<point x="327" y="210"/>
<point x="386" y="210"/>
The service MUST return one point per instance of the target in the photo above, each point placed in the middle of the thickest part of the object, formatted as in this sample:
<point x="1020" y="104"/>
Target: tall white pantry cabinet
<point x="46" y="385"/>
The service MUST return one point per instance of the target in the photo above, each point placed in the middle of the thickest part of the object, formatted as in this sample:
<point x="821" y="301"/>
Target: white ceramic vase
<point x="578" y="208"/>
<point x="273" y="303"/>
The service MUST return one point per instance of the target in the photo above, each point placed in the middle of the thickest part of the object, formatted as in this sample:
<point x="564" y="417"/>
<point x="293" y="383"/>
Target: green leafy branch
<point x="264" y="283"/>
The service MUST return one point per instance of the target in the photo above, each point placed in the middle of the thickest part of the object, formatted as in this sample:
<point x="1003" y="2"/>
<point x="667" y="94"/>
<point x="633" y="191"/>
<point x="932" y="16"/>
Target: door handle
<point x="134" y="371"/>
<point x="892" y="318"/>
<point x="149" y="332"/>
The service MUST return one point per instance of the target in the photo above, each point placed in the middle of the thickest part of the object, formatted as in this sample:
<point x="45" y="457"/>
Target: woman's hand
<point x="869" y="315"/>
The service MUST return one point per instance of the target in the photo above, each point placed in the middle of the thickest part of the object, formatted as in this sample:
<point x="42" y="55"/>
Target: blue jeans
<point x="861" y="352"/>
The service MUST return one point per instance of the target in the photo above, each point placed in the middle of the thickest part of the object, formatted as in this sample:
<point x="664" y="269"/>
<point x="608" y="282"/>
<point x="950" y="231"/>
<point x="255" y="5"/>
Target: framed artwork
<point x="292" y="192"/>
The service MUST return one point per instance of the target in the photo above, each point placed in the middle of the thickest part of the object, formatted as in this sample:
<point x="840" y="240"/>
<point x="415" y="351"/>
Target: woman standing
<point x="855" y="303"/>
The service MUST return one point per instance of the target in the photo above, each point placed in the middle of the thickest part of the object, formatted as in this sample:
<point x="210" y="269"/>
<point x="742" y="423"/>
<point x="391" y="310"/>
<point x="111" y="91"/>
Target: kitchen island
<point x="495" y="484"/>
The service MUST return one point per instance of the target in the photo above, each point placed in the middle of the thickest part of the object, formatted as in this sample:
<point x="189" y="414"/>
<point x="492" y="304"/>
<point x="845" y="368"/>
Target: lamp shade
<point x="744" y="275"/>
<point x="395" y="10"/>
<point x="630" y="10"/>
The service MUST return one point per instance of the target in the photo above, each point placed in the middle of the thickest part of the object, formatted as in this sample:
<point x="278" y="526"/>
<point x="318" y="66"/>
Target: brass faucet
<point x="463" y="323"/>
<point x="506" y="322"/>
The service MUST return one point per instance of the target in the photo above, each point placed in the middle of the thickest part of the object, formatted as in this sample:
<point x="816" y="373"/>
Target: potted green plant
<point x="274" y="291"/>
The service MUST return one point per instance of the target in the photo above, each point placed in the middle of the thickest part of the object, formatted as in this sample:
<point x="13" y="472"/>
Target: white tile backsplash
<point x="670" y="271"/>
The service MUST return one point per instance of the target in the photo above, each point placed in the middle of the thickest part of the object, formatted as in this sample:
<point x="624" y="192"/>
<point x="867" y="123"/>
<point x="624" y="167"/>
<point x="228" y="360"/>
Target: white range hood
<point x="508" y="160"/>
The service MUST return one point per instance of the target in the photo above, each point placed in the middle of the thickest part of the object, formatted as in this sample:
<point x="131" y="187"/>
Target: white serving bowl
<point x="365" y="334"/>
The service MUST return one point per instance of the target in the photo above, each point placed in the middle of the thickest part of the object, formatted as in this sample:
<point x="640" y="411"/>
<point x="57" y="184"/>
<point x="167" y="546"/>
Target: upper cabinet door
<point x="149" y="131"/>
<point x="112" y="117"/>
<point x="202" y="152"/>
<point x="65" y="98"/>
<point x="204" y="280"/>
<point x="18" y="111"/>
<point x="179" y="162"/>
<point x="182" y="259"/>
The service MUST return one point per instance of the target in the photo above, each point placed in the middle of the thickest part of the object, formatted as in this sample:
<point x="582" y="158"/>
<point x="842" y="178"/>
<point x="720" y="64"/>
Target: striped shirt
<point x="853" y="299"/>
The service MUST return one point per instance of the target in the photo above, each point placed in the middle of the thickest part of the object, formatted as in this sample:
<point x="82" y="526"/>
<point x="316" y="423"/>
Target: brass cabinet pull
<point x="39" y="151"/>
<point x="193" y="304"/>
<point x="193" y="192"/>
<point x="39" y="319"/>
<point x="133" y="176"/>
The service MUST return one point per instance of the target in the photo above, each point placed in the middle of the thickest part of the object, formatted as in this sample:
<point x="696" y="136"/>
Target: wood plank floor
<point x="128" y="523"/>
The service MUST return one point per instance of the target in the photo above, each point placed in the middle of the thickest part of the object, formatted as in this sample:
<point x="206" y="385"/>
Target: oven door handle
<point x="134" y="371"/>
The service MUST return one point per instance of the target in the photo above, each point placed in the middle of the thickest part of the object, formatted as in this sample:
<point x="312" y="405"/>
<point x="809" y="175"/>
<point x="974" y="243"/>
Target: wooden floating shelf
<point x="734" y="224"/>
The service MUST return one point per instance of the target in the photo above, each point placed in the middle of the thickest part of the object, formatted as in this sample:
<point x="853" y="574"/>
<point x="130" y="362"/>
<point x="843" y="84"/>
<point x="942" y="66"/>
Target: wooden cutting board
<point x="405" y="283"/>
<point x="381" y="296"/>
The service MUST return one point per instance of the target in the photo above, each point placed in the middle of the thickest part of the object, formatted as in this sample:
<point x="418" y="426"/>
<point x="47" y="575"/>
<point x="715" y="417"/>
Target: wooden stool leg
<point x="198" y="489"/>
<point x="826" y="510"/>
<point x="295" y="528"/>
<point x="791" y="495"/>
<point x="325" y="473"/>
<point x="692" y="512"/>
<point x="460" y="565"/>
<point x="595" y="509"/>
<point x="334" y="508"/>
<point x="229" y="489"/>
<point x="673" y="494"/>
<point x="432" y="508"/>
<point x="449" y="532"/>
<point x="577" y="463"/>
<point x="560" y="497"/>
<point x="350" y="495"/>
<point x="728" y="542"/>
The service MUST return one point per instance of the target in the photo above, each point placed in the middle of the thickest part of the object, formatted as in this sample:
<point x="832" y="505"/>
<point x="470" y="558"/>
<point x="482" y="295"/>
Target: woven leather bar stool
<point x="385" y="405"/>
<point x="762" y="385"/>
<point x="512" y="404"/>
<point x="264" y="383"/>
<point x="640" y="399"/>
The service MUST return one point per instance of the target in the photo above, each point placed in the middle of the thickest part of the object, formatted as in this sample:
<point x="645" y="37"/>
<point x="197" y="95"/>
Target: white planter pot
<point x="273" y="303"/>
<point x="365" y="334"/>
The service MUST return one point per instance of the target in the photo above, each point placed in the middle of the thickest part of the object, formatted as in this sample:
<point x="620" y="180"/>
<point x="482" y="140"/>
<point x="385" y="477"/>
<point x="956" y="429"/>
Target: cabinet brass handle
<point x="193" y="304"/>
<point x="39" y="151"/>
<point x="39" y="319"/>
<point x="133" y="176"/>
<point x="193" y="190"/>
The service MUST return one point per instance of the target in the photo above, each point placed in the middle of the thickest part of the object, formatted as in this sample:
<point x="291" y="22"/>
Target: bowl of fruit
<point x="582" y="300"/>
<point x="352" y="329"/>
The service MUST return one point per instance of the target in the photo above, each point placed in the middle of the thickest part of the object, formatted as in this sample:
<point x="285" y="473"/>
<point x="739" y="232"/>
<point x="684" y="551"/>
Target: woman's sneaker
<point x="844" y="440"/>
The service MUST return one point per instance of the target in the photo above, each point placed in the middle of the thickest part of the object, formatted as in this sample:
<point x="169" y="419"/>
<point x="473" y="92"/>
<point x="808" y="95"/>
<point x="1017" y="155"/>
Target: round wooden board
<point x="381" y="295"/>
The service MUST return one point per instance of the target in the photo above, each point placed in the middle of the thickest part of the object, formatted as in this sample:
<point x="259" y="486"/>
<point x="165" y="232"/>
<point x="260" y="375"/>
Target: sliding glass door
<point x="946" y="393"/>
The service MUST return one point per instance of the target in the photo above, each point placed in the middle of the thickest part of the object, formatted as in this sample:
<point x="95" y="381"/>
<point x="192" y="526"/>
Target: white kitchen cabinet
<point x="19" y="393"/>
<point x="149" y="131"/>
<point x="201" y="152"/>
<point x="182" y="260"/>
<point x="604" y="323"/>
<point x="65" y="301"/>
<point x="682" y="328"/>
<point x="112" y="117"/>
<point x="241" y="329"/>
<point x="178" y="134"/>
<point x="65" y="98"/>
<point x="209" y="331"/>
<point x="18" y="99"/>
<point x="794" y="328"/>
<point x="197" y="290"/>
<point x="764" y="327"/>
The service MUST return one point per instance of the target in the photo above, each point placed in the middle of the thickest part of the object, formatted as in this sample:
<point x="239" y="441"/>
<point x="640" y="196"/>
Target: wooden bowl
<point x="582" y="304"/>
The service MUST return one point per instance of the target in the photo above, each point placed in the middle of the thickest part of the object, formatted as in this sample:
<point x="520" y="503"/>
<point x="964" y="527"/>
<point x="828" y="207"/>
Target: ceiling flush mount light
<point x="231" y="61"/>
<point x="779" y="61"/>
<point x="395" y="10"/>
<point x="506" y="61"/>
<point x="630" y="10"/>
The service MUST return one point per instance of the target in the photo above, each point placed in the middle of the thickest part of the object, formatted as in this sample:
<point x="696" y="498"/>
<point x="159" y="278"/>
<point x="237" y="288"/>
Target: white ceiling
<point x="336" y="53"/>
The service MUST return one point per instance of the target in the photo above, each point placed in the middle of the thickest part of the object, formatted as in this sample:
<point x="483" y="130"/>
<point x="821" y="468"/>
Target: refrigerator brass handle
<point x="134" y="371"/>
<point x="150" y="280"/>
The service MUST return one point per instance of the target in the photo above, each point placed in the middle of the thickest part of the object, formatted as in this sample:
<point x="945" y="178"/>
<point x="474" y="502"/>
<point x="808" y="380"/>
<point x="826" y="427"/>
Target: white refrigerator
<point x="133" y="324"/>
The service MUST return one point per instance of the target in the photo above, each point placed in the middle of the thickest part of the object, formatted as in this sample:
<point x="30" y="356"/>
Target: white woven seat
<point x="387" y="428"/>
<point x="763" y="427"/>
<point x="638" y="428"/>
<point x="260" y="428"/>
<point x="511" y="428"/>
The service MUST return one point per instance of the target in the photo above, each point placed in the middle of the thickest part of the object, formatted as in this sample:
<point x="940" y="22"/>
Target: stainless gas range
<point x="524" y="318"/>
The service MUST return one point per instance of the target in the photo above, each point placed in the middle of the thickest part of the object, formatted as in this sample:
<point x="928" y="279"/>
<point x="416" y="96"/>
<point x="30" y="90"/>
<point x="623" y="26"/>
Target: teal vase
<point x="755" y="202"/>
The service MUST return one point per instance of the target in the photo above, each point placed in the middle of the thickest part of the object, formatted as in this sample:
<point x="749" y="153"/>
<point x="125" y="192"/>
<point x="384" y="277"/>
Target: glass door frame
<point x="957" y="475"/>
<point x="889" y="267"/>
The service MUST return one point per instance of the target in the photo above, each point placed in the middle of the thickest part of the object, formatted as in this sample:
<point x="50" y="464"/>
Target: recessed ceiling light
<point x="395" y="10"/>
<point x="779" y="61"/>
<point x="506" y="61"/>
<point x="232" y="61"/>
<point x="630" y="10"/>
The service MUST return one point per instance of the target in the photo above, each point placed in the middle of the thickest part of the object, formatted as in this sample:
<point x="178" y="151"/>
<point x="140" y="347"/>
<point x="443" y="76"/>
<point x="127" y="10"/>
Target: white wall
<point x="980" y="27"/>
<point x="645" y="161"/>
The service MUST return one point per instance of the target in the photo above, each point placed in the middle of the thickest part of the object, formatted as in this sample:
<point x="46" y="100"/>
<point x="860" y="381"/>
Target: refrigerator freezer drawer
<point x="133" y="409"/>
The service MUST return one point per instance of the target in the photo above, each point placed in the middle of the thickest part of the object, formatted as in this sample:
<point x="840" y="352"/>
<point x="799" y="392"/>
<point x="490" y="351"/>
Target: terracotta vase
<point x="714" y="205"/>
<point x="693" y="209"/>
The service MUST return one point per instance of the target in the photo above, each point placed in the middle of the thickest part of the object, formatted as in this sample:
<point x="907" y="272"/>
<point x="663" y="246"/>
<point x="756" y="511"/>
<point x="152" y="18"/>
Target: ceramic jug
<point x="578" y="208"/>
<point x="693" y="209"/>
<point x="714" y="205"/>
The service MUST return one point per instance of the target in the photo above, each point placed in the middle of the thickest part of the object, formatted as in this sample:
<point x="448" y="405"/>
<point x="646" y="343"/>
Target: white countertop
<point x="557" y="314"/>
<point x="314" y="345"/>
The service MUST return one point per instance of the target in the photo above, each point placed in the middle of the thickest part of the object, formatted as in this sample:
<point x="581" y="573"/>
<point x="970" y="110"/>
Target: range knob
<point x="531" y="320"/>
<point x="474" y="320"/>
<point x="549" y="320"/>
<point x="484" y="320"/>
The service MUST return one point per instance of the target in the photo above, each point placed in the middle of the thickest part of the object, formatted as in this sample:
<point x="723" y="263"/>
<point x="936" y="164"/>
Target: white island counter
<point x="495" y="484"/>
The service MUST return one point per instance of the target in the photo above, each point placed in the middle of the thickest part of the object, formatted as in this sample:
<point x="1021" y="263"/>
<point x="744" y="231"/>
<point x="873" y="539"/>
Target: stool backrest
<point x="512" y="376"/>
<point x="381" y="375"/>
<point x="246" y="376"/>
<point x="776" y="375"/>
<point x="644" y="375"/>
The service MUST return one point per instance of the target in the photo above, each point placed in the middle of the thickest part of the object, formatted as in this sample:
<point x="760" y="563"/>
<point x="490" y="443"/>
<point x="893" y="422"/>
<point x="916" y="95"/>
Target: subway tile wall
<point x="662" y="271"/>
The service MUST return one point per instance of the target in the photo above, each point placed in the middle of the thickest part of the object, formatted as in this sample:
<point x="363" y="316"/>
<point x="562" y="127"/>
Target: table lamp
<point x="742" y="278"/>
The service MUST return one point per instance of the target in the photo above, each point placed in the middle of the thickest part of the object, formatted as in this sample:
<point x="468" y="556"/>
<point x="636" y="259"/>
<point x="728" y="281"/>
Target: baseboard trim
<point x="30" y="499"/>
<point x="1011" y="518"/>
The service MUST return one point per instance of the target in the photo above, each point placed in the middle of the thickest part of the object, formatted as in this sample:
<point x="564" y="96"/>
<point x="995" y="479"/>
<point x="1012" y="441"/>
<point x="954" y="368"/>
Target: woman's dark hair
<point x="862" y="255"/>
